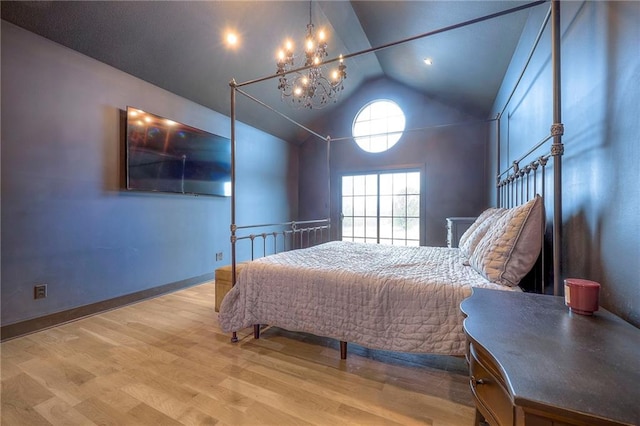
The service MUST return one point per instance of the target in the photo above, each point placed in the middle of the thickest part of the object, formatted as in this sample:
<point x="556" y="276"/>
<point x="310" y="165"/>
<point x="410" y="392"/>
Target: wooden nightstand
<point x="456" y="227"/>
<point x="532" y="362"/>
<point x="223" y="282"/>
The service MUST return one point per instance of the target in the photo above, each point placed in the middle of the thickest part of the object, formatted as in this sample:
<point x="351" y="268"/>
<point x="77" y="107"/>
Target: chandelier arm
<point x="258" y="101"/>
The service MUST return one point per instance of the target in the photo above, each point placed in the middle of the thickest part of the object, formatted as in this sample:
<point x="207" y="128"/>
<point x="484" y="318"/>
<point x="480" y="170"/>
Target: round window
<point x="378" y="126"/>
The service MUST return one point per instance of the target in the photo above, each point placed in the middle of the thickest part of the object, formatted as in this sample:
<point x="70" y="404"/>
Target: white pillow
<point x="472" y="236"/>
<point x="510" y="248"/>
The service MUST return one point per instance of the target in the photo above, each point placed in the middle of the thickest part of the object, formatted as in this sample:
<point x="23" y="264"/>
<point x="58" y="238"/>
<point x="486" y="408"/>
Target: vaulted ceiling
<point x="179" y="46"/>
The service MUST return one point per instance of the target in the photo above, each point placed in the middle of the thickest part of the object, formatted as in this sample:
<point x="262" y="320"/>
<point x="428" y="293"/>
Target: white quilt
<point x="382" y="297"/>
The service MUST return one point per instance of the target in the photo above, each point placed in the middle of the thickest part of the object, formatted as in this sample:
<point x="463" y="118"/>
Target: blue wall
<point x="601" y="114"/>
<point x="66" y="221"/>
<point x="452" y="158"/>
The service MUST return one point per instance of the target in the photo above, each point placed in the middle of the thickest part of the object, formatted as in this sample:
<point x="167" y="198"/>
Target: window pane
<point x="347" y="206"/>
<point x="399" y="205"/>
<point x="371" y="182"/>
<point x="358" y="185"/>
<point x="386" y="205"/>
<point x="413" y="183"/>
<point x="358" y="227"/>
<point x="413" y="229"/>
<point x="347" y="185"/>
<point x="361" y="128"/>
<point x="378" y="144"/>
<point x="386" y="242"/>
<point x="372" y="228"/>
<point x="399" y="227"/>
<point x="413" y="205"/>
<point x="372" y="206"/>
<point x="386" y="184"/>
<point x="358" y="206"/>
<point x="413" y="243"/>
<point x="379" y="110"/>
<point x="399" y="183"/>
<point x="396" y="124"/>
<point x="386" y="226"/>
<point x="378" y="128"/>
<point x="381" y="117"/>
<point x="347" y="227"/>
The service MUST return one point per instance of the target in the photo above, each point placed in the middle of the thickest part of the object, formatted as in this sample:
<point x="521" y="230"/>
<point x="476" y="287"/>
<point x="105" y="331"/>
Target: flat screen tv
<point x="165" y="156"/>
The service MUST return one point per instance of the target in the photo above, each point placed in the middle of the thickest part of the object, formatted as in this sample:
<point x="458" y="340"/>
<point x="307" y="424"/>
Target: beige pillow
<point x="472" y="236"/>
<point x="510" y="248"/>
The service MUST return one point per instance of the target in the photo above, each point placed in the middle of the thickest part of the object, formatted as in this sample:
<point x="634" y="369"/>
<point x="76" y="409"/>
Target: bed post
<point x="232" y="84"/>
<point x="498" y="200"/>
<point x="557" y="148"/>
<point x="343" y="349"/>
<point x="329" y="185"/>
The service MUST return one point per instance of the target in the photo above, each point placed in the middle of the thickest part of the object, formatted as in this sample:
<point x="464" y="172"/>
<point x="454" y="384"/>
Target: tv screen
<point x="165" y="156"/>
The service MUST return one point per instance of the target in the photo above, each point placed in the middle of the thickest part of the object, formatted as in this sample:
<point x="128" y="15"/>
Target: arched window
<point x="378" y="125"/>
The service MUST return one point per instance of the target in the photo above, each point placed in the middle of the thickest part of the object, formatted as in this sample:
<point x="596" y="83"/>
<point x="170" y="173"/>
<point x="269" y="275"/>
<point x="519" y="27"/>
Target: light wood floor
<point x="165" y="361"/>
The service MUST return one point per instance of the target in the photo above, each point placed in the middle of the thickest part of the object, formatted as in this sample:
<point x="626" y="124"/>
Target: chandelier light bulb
<point x="316" y="60"/>
<point x="232" y="39"/>
<point x="281" y="55"/>
<point x="297" y="91"/>
<point x="288" y="45"/>
<point x="321" y="35"/>
<point x="309" y="44"/>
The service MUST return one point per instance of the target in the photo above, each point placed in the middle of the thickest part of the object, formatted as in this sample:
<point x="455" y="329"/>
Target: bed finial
<point x="543" y="160"/>
<point x="516" y="167"/>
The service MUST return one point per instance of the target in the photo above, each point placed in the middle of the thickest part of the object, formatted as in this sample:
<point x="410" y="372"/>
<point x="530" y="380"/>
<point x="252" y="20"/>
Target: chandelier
<point x="308" y="87"/>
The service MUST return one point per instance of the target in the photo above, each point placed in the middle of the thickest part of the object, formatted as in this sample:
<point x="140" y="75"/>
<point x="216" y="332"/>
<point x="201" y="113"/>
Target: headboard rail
<point x="521" y="185"/>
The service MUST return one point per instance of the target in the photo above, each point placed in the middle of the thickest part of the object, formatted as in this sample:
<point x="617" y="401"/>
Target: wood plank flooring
<point x="165" y="361"/>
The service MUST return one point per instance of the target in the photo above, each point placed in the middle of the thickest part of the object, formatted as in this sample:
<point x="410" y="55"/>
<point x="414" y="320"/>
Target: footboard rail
<point x="284" y="236"/>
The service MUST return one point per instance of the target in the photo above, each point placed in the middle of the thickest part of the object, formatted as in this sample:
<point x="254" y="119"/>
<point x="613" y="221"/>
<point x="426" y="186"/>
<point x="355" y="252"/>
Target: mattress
<point x="382" y="297"/>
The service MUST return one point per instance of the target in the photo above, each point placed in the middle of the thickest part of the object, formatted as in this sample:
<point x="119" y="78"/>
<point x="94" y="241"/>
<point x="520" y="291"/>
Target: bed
<point x="387" y="297"/>
<point x="405" y="298"/>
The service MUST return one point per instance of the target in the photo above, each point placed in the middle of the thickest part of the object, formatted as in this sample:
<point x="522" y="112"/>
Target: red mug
<point x="581" y="296"/>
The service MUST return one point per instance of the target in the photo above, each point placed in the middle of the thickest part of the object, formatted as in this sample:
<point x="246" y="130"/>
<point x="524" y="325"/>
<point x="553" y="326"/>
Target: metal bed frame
<point x="516" y="184"/>
<point x="512" y="185"/>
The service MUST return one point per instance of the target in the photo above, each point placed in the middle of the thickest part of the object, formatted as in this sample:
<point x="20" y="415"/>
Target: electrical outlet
<point x="40" y="291"/>
<point x="218" y="256"/>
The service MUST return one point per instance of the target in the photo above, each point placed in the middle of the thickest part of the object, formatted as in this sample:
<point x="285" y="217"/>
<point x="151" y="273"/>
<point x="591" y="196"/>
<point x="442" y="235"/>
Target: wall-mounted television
<point x="166" y="156"/>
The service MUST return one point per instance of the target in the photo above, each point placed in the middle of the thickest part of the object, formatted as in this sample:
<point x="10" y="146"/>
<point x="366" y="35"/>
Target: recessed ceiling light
<point x="231" y="39"/>
<point x="428" y="61"/>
